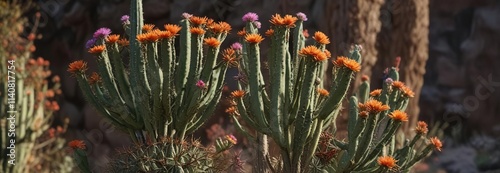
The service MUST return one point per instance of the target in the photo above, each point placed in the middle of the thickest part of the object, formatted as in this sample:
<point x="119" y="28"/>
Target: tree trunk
<point x="410" y="40"/>
<point x="353" y="22"/>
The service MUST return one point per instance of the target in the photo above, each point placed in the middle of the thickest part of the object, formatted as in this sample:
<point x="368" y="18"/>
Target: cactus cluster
<point x="164" y="91"/>
<point x="168" y="94"/>
<point x="28" y="102"/>
<point x="184" y="156"/>
<point x="294" y="108"/>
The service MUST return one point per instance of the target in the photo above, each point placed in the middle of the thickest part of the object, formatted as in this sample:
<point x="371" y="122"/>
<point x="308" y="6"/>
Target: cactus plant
<point x="294" y="109"/>
<point x="183" y="156"/>
<point x="28" y="143"/>
<point x="164" y="91"/>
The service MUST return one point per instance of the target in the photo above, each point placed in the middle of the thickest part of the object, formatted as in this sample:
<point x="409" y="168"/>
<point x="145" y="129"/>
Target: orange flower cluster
<point x="387" y="161"/>
<point x="232" y="110"/>
<point x="314" y="52"/>
<point x="94" y="78"/>
<point x="321" y="38"/>
<point x="173" y="29"/>
<point x="253" y="38"/>
<point x="328" y="54"/>
<point x="398" y="116"/>
<point x="212" y="42"/>
<point x="343" y="61"/>
<point x="196" y="21"/>
<point x="437" y="143"/>
<point x="197" y="30"/>
<point x="220" y="27"/>
<point x="111" y="39"/>
<point x="287" y="20"/>
<point x="147" y="27"/>
<point x="376" y="93"/>
<point x="421" y="128"/>
<point x="238" y="94"/>
<point x="229" y="57"/>
<point x="151" y="36"/>
<point x="97" y="49"/>
<point x="373" y="106"/>
<point x="77" y="144"/>
<point x="407" y="92"/>
<point x="123" y="42"/>
<point x="77" y="66"/>
<point x="242" y="32"/>
<point x="269" y="32"/>
<point x="323" y="92"/>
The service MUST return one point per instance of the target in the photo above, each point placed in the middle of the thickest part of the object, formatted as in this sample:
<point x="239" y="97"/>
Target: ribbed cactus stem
<point x="278" y="75"/>
<point x="255" y="84"/>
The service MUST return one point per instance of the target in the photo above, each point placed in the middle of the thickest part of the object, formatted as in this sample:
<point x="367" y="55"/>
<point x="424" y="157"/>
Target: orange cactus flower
<point x="321" y="38"/>
<point x="398" y="116"/>
<point x="77" y="144"/>
<point x="323" y="92"/>
<point x="111" y="39"/>
<point x="376" y="93"/>
<point x="421" y="128"/>
<point x="197" y="31"/>
<point x="195" y="20"/>
<point x="314" y="52"/>
<point x="123" y="42"/>
<point x="94" y="78"/>
<point x="77" y="66"/>
<point x="221" y="27"/>
<point x="228" y="55"/>
<point x="407" y="92"/>
<point x="328" y="53"/>
<point x="363" y="114"/>
<point x="365" y="78"/>
<point x="142" y="38"/>
<point x="232" y="110"/>
<point x="242" y="32"/>
<point x="269" y="32"/>
<point x="147" y="27"/>
<point x="387" y="161"/>
<point x="398" y="84"/>
<point x="347" y="62"/>
<point x="173" y="29"/>
<point x="373" y="106"/>
<point x="238" y="94"/>
<point x="437" y="143"/>
<point x="165" y="34"/>
<point x="212" y="42"/>
<point x="288" y="20"/>
<point x="253" y="38"/>
<point x="97" y="49"/>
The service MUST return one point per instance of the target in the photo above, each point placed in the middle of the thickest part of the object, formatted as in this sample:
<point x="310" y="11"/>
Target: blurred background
<point x="449" y="51"/>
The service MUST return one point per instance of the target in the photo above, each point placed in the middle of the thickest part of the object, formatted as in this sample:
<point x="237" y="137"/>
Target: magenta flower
<point x="102" y="33"/>
<point x="90" y="43"/>
<point x="389" y="81"/>
<point x="187" y="15"/>
<point x="200" y="84"/>
<point x="302" y="16"/>
<point x="257" y="24"/>
<point x="236" y="46"/>
<point x="125" y="19"/>
<point x="250" y="17"/>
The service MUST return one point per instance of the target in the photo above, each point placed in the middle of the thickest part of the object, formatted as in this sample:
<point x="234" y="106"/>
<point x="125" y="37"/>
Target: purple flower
<point x="250" y="17"/>
<point x="187" y="15"/>
<point x="102" y="33"/>
<point x="302" y="16"/>
<point x="257" y="24"/>
<point x="200" y="84"/>
<point x="389" y="81"/>
<point x="125" y="19"/>
<point x="90" y="43"/>
<point x="236" y="46"/>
